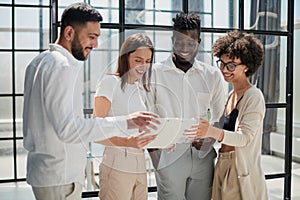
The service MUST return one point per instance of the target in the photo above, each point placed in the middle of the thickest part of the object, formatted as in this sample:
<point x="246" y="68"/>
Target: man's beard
<point x="77" y="50"/>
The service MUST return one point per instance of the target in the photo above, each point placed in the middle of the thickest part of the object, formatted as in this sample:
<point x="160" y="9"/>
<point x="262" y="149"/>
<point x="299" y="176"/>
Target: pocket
<point x="203" y="105"/>
<point x="104" y="183"/>
<point x="76" y="192"/>
<point x="246" y="186"/>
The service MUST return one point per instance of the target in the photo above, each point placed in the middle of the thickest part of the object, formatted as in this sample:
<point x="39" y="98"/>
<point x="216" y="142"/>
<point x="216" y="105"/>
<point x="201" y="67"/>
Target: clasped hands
<point x="204" y="130"/>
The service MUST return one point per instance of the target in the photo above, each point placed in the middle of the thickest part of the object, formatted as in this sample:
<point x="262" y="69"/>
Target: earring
<point x="245" y="70"/>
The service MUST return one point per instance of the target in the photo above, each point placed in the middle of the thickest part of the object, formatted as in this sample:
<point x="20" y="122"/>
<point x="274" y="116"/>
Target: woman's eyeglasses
<point x="230" y="66"/>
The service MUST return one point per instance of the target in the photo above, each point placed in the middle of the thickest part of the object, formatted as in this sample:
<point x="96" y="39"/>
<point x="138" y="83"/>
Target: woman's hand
<point x="140" y="140"/>
<point x="204" y="130"/>
<point x="142" y="120"/>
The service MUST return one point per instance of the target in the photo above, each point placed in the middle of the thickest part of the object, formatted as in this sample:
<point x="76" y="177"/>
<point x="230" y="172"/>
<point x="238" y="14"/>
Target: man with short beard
<point x="184" y="87"/>
<point x="55" y="131"/>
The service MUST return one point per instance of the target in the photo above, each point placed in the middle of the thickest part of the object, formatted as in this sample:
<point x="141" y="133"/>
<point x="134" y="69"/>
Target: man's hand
<point x="140" y="140"/>
<point x="142" y="121"/>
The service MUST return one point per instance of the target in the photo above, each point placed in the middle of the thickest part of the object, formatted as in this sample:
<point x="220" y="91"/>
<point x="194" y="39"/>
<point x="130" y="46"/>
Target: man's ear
<point x="69" y="33"/>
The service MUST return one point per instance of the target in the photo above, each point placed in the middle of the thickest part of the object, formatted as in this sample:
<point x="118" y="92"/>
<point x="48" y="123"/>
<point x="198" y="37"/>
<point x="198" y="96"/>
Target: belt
<point x="197" y="144"/>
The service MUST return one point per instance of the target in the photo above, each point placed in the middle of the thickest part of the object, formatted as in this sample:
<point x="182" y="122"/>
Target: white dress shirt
<point x="55" y="131"/>
<point x="197" y="93"/>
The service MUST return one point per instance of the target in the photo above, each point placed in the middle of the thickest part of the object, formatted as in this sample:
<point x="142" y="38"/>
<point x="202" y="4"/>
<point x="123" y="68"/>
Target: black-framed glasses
<point x="230" y="66"/>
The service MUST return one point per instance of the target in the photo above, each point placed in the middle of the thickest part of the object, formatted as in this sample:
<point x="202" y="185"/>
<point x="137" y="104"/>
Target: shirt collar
<point x="56" y="47"/>
<point x="170" y="66"/>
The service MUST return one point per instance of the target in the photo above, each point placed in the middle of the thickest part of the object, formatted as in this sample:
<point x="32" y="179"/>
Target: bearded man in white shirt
<point x="184" y="87"/>
<point x="56" y="134"/>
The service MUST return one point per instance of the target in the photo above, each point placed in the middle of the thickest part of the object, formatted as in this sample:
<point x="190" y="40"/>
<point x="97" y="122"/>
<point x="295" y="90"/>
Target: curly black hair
<point x="183" y="21"/>
<point x="240" y="45"/>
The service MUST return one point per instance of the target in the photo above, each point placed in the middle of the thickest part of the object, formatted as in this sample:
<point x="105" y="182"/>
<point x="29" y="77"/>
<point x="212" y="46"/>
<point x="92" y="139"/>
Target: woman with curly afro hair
<point x="238" y="172"/>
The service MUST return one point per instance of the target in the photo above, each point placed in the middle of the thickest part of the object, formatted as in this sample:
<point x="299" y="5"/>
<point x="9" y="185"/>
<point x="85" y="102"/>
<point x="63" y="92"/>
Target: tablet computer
<point x="170" y="131"/>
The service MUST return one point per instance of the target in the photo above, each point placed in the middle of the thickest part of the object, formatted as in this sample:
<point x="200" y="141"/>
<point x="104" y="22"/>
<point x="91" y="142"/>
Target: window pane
<point x="151" y="12"/>
<point x="33" y="2"/>
<point x="22" y="60"/>
<point x="162" y="41"/>
<point x="6" y="117"/>
<point x="5" y="28"/>
<point x="19" y="119"/>
<point x="67" y="2"/>
<point x="271" y="76"/>
<point x="275" y="188"/>
<point x="297" y="74"/>
<point x="205" y="10"/>
<point x="216" y="13"/>
<point x="109" y="9"/>
<point x="5" y="75"/>
<point x="265" y="15"/>
<point x="274" y="132"/>
<point x="21" y="159"/>
<point x="34" y="31"/>
<point x="5" y="1"/>
<point x="110" y="15"/>
<point x="205" y="55"/>
<point x="105" y="3"/>
<point x="6" y="160"/>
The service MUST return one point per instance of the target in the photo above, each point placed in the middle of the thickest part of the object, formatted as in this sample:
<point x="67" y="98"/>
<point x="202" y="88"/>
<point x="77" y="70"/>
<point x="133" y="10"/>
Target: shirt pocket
<point x="203" y="104"/>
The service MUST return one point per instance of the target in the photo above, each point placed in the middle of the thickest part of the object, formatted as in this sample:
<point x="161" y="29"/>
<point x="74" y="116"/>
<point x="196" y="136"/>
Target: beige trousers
<point x="62" y="192"/>
<point x="226" y="184"/>
<point x="117" y="185"/>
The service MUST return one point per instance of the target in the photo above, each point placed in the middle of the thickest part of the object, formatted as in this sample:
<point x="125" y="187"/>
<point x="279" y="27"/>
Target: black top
<point x="227" y="122"/>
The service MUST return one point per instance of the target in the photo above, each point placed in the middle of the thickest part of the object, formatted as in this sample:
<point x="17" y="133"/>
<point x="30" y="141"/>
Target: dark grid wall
<point x="27" y="28"/>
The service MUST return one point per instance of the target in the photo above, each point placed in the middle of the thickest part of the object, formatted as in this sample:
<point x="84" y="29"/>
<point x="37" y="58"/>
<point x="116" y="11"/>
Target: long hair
<point x="130" y="45"/>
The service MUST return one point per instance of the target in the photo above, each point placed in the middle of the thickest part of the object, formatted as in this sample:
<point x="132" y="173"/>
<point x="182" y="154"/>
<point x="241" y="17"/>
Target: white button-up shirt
<point x="55" y="131"/>
<point x="197" y="93"/>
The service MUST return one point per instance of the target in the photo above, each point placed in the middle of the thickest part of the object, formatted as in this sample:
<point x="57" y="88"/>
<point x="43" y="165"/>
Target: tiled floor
<point x="271" y="165"/>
